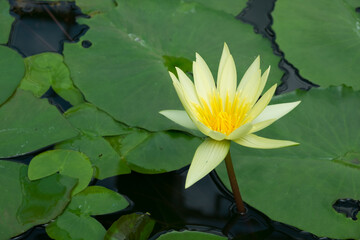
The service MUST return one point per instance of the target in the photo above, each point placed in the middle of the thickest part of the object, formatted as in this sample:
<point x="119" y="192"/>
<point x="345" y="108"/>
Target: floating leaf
<point x="70" y="226"/>
<point x="193" y="235"/>
<point x="47" y="70"/>
<point x="97" y="200"/>
<point x="321" y="38"/>
<point x="159" y="152"/>
<point x="5" y="21"/>
<point x="132" y="226"/>
<point x="11" y="69"/>
<point x="69" y="163"/>
<point x="28" y="124"/>
<point x="123" y="72"/>
<point x="24" y="203"/>
<point x="76" y="223"/>
<point x="104" y="158"/>
<point x="91" y="120"/>
<point x="233" y="7"/>
<point x="298" y="185"/>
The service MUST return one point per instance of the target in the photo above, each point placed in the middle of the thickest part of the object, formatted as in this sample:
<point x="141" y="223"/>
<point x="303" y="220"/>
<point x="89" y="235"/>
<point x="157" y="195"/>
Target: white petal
<point x="275" y="111"/>
<point x="254" y="141"/>
<point x="261" y="125"/>
<point x="254" y="67"/>
<point x="218" y="136"/>
<point x="187" y="85"/>
<point x="182" y="96"/>
<point x="262" y="83"/>
<point x="240" y="132"/>
<point x="180" y="117"/>
<point x="224" y="55"/>
<point x="227" y="81"/>
<point x="261" y="104"/>
<point x="203" y="79"/>
<point x="207" y="157"/>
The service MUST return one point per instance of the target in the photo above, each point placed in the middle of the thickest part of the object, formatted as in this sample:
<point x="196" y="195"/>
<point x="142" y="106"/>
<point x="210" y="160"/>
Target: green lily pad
<point x="321" y="38"/>
<point x="25" y="203"/>
<point x="28" y="124"/>
<point x="124" y="71"/>
<point x="67" y="162"/>
<point x="11" y="69"/>
<point x="70" y="226"/>
<point x="76" y="223"/>
<point x="233" y="7"/>
<point x="104" y="158"/>
<point x="47" y="70"/>
<point x="158" y="152"/>
<point x="193" y="235"/>
<point x="97" y="200"/>
<point x="89" y="119"/>
<point x="298" y="185"/>
<point x="132" y="226"/>
<point x="5" y="21"/>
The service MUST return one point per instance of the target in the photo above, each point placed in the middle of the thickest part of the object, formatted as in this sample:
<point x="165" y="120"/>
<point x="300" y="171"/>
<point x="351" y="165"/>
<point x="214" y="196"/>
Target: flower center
<point x="222" y="117"/>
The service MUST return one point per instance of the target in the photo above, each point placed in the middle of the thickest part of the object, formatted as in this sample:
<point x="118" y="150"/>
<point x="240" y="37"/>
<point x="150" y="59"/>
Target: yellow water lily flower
<point x="225" y="112"/>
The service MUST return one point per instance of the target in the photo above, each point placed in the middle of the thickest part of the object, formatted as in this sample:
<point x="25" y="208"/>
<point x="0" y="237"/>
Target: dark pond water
<point x="207" y="206"/>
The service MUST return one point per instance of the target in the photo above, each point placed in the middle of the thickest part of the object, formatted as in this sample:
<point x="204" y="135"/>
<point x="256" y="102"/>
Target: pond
<point x="85" y="153"/>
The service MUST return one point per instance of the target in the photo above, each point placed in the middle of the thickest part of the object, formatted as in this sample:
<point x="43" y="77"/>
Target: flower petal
<point x="254" y="141"/>
<point x="180" y="117"/>
<point x="262" y="83"/>
<point x="275" y="111"/>
<point x="226" y="82"/>
<point x="203" y="79"/>
<point x="207" y="157"/>
<point x="218" y="136"/>
<point x="261" y="104"/>
<point x="187" y="85"/>
<point x="224" y="55"/>
<point x="254" y="67"/>
<point x="261" y="125"/>
<point x="240" y="132"/>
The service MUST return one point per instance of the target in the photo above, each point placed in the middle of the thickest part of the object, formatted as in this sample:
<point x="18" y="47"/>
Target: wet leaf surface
<point x="299" y="185"/>
<point x="47" y="70"/>
<point x="28" y="124"/>
<point x="67" y="162"/>
<point x="25" y="203"/>
<point x="11" y="71"/>
<point x="321" y="38"/>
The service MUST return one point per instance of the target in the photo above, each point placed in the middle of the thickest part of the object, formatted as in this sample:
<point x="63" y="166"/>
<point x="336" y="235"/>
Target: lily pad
<point x="47" y="70"/>
<point x="76" y="223"/>
<point x="11" y="69"/>
<point x="5" y="21"/>
<point x="124" y="73"/>
<point x="321" y="38"/>
<point x="89" y="119"/>
<point x="132" y="226"/>
<point x="193" y="235"/>
<point x="298" y="185"/>
<point x="67" y="162"/>
<point x="233" y="7"/>
<point x="104" y="158"/>
<point x="25" y="203"/>
<point x="28" y="124"/>
<point x="158" y="152"/>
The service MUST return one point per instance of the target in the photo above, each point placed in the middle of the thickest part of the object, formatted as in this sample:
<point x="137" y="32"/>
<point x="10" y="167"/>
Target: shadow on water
<point x="207" y="206"/>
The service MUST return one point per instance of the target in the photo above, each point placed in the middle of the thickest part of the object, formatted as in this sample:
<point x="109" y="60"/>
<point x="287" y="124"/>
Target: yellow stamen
<point x="220" y="116"/>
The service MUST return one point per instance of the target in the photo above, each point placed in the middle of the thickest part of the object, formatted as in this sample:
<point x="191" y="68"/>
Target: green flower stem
<point x="234" y="185"/>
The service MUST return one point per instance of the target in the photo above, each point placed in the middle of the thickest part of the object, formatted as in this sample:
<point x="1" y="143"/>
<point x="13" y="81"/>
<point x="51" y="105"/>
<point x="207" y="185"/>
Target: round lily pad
<point x="189" y="235"/>
<point x="25" y="203"/>
<point x="124" y="71"/>
<point x="28" y="124"/>
<point x="5" y="21"/>
<point x="67" y="162"/>
<point x="11" y="70"/>
<point x="321" y="38"/>
<point x="298" y="185"/>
